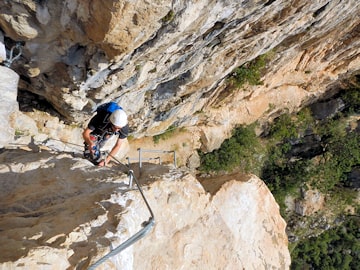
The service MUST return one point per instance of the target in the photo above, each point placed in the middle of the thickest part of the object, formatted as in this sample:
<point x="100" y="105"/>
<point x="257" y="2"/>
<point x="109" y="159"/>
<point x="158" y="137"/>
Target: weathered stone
<point x="311" y="202"/>
<point x="62" y="212"/>
<point x="9" y="106"/>
<point x="2" y="48"/>
<point x="193" y="161"/>
<point x="354" y="178"/>
<point x="323" y="110"/>
<point x="167" y="62"/>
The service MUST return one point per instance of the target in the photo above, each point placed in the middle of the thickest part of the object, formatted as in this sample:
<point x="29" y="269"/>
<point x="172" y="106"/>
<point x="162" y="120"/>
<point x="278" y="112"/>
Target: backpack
<point x="109" y="107"/>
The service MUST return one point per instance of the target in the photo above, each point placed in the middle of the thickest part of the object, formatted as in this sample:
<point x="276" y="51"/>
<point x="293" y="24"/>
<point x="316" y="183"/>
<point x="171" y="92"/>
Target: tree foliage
<point x="241" y="151"/>
<point x="337" y="248"/>
<point x="249" y="72"/>
<point x="272" y="158"/>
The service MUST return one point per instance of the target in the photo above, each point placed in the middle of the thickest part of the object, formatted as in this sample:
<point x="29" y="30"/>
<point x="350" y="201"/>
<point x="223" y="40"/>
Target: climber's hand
<point x="102" y="163"/>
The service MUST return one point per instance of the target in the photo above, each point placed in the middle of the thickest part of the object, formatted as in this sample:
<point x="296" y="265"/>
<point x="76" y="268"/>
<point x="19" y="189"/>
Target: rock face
<point x="59" y="212"/>
<point x="9" y="106"/>
<point x="166" y="62"/>
<point x="311" y="202"/>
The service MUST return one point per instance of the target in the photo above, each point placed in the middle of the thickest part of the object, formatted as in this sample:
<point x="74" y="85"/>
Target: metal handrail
<point x="11" y="59"/>
<point x="137" y="236"/>
<point x="155" y="151"/>
<point x="147" y="225"/>
<point x="148" y="159"/>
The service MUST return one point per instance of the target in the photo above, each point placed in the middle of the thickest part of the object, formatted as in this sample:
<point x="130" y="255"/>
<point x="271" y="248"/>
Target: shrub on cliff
<point x="241" y="151"/>
<point x="249" y="72"/>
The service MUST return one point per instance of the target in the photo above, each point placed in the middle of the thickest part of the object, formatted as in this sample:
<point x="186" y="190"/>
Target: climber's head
<point x="118" y="119"/>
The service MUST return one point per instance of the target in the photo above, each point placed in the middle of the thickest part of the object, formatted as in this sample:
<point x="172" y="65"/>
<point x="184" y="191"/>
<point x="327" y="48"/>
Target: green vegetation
<point x="338" y="152"/>
<point x="271" y="107"/>
<point x="137" y="67"/>
<point x="249" y="72"/>
<point x="337" y="248"/>
<point x="240" y="151"/>
<point x="168" y="17"/>
<point x="352" y="100"/>
<point x="342" y="154"/>
<point x="153" y="70"/>
<point x="325" y="166"/>
<point x="171" y="130"/>
<point x="130" y="137"/>
<point x="19" y="133"/>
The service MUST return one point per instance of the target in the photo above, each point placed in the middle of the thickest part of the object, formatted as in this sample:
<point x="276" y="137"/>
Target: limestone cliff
<point x="167" y="62"/>
<point x="60" y="212"/>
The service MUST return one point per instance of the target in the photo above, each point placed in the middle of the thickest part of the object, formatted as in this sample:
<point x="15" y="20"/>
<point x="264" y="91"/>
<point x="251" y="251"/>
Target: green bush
<point x="283" y="128"/>
<point x="249" y="72"/>
<point x="168" y="17"/>
<point x="337" y="248"/>
<point x="241" y="151"/>
<point x="288" y="126"/>
<point x="280" y="171"/>
<point x="352" y="100"/>
<point x="342" y="154"/>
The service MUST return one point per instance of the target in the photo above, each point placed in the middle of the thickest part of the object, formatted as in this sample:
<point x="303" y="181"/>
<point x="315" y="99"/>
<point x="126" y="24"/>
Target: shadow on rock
<point x="47" y="195"/>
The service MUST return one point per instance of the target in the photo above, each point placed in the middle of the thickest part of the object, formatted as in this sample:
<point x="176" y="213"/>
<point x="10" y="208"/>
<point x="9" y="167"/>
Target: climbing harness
<point x="11" y="59"/>
<point x="99" y="141"/>
<point x="96" y="156"/>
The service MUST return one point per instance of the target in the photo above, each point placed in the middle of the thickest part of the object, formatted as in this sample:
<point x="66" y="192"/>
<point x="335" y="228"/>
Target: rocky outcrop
<point x="167" y="63"/>
<point x="311" y="201"/>
<point x="2" y="49"/>
<point x="60" y="212"/>
<point x="9" y="106"/>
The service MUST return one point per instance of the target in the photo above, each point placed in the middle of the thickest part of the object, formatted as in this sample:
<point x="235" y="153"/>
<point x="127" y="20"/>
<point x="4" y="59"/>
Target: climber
<point x="110" y="119"/>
